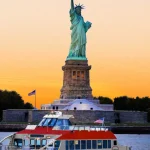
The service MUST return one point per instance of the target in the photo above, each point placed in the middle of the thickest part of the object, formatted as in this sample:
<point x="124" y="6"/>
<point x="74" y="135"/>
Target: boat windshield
<point x="63" y="122"/>
<point x="48" y="122"/>
<point x="51" y="122"/>
<point x="42" y="122"/>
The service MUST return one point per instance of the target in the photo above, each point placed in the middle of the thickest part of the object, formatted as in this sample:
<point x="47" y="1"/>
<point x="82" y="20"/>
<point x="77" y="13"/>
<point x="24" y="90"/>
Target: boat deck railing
<point x="81" y="127"/>
<point x="6" y="147"/>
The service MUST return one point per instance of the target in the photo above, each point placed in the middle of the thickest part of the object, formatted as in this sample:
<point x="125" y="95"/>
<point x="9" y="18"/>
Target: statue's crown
<point x="81" y="6"/>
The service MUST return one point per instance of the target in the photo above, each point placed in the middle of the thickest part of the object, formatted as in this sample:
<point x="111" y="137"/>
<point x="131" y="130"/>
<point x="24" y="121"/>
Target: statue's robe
<point x="78" y="35"/>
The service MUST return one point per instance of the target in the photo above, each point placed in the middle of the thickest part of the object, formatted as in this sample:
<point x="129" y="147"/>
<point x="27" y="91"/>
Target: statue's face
<point x="78" y="10"/>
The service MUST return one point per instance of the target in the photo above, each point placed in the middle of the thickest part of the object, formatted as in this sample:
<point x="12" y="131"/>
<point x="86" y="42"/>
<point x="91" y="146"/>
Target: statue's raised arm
<point x="72" y="4"/>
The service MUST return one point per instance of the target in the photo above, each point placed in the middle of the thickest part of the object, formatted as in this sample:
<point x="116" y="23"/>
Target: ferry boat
<point x="55" y="132"/>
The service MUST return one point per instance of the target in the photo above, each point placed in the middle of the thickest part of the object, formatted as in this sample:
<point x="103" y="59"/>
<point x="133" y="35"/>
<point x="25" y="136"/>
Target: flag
<point x="32" y="93"/>
<point x="101" y="120"/>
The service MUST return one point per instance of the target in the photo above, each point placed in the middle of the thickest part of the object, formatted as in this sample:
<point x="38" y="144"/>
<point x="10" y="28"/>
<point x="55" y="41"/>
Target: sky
<point x="35" y="38"/>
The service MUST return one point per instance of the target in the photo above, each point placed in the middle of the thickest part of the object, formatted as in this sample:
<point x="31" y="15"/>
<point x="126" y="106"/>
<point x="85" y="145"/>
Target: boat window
<point x="62" y="122"/>
<point x="71" y="145"/>
<point x="115" y="142"/>
<point x="66" y="145"/>
<point x="104" y="143"/>
<point x="38" y="143"/>
<point x="32" y="143"/>
<point x="88" y="144"/>
<point x="47" y="122"/>
<point x="42" y="122"/>
<point x="67" y="122"/>
<point x="18" y="142"/>
<point x="94" y="144"/>
<point x="99" y="144"/>
<point x="43" y="142"/>
<point x="77" y="144"/>
<point x="83" y="144"/>
<point x="27" y="142"/>
<point x="52" y="123"/>
<point x="57" y="144"/>
<point x="109" y="143"/>
<point x="51" y="143"/>
<point x="59" y="122"/>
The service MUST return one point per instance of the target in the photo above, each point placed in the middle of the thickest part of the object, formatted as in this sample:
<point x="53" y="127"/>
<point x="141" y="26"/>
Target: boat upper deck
<point x="58" y="124"/>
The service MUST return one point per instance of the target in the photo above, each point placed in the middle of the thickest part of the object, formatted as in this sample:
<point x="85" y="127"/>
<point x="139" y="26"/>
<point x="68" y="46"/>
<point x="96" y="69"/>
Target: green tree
<point x="120" y="103"/>
<point x="127" y="103"/>
<point x="144" y="104"/>
<point x="28" y="106"/>
<point x="104" y="100"/>
<point x="12" y="100"/>
<point x="124" y="103"/>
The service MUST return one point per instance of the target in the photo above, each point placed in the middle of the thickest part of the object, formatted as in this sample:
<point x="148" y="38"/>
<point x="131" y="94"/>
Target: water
<point x="137" y="141"/>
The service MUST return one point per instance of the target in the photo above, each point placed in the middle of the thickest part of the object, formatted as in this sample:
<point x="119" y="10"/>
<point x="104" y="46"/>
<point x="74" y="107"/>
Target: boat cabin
<point x="55" y="132"/>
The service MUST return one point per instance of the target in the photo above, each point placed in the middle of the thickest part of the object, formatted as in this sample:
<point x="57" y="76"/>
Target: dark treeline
<point x="104" y="100"/>
<point x="127" y="103"/>
<point x="135" y="104"/>
<point x="12" y="100"/>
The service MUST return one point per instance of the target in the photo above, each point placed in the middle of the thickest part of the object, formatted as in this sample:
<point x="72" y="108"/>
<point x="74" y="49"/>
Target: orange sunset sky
<point x="35" y="40"/>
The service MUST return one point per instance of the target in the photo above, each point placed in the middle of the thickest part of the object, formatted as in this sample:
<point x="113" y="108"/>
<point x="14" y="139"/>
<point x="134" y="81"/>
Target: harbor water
<point x="137" y="141"/>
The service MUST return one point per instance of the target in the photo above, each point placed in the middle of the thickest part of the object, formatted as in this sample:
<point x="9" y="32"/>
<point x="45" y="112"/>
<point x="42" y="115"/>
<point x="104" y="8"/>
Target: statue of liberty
<point x="78" y="36"/>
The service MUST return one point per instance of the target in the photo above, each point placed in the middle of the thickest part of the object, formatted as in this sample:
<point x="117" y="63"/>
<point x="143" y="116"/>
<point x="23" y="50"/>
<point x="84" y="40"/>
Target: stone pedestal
<point x="76" y="80"/>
